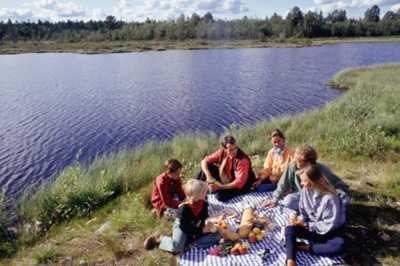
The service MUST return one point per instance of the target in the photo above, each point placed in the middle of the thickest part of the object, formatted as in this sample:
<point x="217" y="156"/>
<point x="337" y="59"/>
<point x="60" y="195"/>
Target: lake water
<point x="59" y="108"/>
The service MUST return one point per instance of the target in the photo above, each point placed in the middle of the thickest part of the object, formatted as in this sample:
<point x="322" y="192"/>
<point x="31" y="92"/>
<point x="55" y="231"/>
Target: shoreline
<point x="144" y="46"/>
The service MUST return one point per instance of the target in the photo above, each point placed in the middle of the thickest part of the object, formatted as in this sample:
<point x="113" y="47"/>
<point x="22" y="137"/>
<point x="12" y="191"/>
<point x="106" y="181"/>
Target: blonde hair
<point x="195" y="189"/>
<point x="309" y="154"/>
<point x="320" y="182"/>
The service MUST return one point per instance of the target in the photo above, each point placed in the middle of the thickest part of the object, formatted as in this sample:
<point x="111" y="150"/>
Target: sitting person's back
<point x="167" y="189"/>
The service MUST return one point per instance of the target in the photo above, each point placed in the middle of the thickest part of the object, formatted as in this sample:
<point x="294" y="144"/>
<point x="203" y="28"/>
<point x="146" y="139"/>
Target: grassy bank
<point x="141" y="46"/>
<point x="358" y="135"/>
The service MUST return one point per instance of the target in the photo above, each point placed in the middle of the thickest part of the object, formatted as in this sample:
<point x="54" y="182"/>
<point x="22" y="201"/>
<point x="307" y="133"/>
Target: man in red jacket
<point x="227" y="171"/>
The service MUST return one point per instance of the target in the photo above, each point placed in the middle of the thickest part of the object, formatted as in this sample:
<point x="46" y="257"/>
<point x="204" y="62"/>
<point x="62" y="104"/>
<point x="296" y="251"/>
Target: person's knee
<point x="332" y="246"/>
<point x="177" y="246"/>
<point x="291" y="201"/>
<point x="221" y="197"/>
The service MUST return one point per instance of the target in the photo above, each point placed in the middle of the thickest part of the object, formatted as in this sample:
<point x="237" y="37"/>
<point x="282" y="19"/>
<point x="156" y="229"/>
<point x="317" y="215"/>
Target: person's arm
<point x="241" y="175"/>
<point x="303" y="214"/>
<point x="329" y="217"/>
<point x="267" y="170"/>
<point x="168" y="199"/>
<point x="284" y="183"/>
<point x="212" y="158"/>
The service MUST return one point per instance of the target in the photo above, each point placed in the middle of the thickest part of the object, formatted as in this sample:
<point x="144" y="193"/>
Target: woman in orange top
<point x="275" y="164"/>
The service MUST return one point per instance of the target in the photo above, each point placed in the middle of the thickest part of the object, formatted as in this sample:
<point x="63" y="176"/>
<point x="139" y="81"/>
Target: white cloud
<point x="166" y="9"/>
<point x="330" y="5"/>
<point x="52" y="10"/>
<point x="395" y="7"/>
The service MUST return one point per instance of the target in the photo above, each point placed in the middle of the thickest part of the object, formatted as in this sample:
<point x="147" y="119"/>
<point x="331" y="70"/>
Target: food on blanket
<point x="246" y="224"/>
<point x="215" y="251"/>
<point x="235" y="251"/>
<point x="263" y="233"/>
<point x="243" y="250"/>
<point x="223" y="224"/>
<point x="266" y="222"/>
<point x="259" y="237"/>
<point x="239" y="248"/>
<point x="253" y="239"/>
<point x="228" y="234"/>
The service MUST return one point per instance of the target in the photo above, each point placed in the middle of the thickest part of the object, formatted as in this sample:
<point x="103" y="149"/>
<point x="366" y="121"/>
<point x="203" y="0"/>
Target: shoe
<point x="152" y="241"/>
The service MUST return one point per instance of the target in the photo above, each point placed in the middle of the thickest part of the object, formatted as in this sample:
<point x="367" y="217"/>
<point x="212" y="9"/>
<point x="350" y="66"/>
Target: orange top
<point x="275" y="164"/>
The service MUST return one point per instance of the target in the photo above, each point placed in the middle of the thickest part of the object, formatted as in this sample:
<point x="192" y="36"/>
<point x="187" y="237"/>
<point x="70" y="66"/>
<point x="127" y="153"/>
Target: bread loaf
<point x="246" y="224"/>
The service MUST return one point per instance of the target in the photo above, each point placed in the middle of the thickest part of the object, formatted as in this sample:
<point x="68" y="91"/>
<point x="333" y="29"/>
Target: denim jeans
<point x="329" y="243"/>
<point x="266" y="186"/>
<point x="178" y="241"/>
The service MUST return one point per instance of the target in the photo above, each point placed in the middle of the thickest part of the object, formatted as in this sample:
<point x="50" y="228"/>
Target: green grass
<point x="45" y="255"/>
<point x="358" y="135"/>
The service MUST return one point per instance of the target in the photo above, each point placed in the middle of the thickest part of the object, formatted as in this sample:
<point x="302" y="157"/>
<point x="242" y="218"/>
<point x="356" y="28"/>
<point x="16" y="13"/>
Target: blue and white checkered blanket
<point x="273" y="242"/>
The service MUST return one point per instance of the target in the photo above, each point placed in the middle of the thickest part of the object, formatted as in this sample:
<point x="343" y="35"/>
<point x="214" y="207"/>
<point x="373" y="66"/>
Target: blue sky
<point x="139" y="10"/>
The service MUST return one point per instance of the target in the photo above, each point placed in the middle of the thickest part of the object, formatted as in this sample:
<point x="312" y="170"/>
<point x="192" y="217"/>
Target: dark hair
<point x="228" y="140"/>
<point x="276" y="132"/>
<point x="308" y="152"/>
<point x="172" y="165"/>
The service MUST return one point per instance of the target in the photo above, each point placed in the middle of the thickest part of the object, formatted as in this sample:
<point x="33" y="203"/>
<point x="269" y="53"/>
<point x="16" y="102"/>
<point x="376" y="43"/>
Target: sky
<point x="139" y="10"/>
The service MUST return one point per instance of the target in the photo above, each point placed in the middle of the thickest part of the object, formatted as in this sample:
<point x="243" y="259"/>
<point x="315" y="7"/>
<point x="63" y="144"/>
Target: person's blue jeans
<point x="178" y="241"/>
<point x="329" y="243"/>
<point x="266" y="186"/>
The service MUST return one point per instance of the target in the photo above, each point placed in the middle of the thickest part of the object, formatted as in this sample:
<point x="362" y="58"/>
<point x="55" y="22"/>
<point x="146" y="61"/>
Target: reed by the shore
<point x="85" y="47"/>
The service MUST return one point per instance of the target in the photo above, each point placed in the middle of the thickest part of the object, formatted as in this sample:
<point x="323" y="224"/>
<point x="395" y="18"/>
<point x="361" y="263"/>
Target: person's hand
<point x="269" y="203"/>
<point x="296" y="221"/>
<point x="214" y="187"/>
<point x="292" y="219"/>
<point x="208" y="227"/>
<point x="256" y="184"/>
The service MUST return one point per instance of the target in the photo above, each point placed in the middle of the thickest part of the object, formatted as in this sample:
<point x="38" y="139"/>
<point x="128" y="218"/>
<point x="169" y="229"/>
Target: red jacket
<point x="167" y="193"/>
<point x="241" y="166"/>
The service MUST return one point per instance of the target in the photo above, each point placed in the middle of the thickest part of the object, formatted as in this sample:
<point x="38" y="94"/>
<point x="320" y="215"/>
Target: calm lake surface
<point x="59" y="108"/>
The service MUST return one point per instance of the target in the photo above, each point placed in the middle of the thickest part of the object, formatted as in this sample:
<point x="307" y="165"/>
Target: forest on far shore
<point x="296" y="24"/>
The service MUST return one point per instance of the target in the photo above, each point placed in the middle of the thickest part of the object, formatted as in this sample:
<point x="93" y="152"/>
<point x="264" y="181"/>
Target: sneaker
<point x="152" y="241"/>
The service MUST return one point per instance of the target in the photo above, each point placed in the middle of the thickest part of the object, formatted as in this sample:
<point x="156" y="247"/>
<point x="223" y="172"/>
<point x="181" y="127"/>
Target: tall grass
<point x="362" y="124"/>
<point x="7" y="245"/>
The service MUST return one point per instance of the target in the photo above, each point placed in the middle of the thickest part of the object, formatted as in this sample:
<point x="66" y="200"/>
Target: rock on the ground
<point x="103" y="228"/>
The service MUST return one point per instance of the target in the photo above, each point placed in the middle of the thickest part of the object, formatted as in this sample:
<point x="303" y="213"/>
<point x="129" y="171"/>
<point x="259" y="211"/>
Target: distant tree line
<point x="296" y="24"/>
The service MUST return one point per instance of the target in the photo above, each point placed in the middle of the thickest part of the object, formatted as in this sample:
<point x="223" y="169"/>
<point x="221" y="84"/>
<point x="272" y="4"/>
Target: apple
<point x="243" y="250"/>
<point x="253" y="239"/>
<point x="235" y="251"/>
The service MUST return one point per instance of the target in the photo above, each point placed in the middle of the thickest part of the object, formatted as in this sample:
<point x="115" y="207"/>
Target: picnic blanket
<point x="273" y="242"/>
